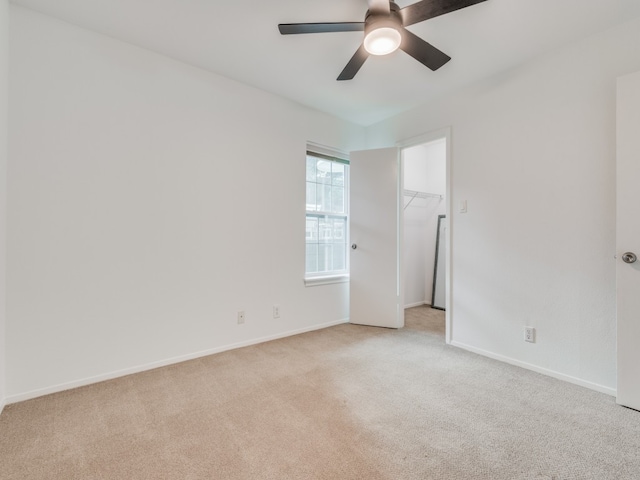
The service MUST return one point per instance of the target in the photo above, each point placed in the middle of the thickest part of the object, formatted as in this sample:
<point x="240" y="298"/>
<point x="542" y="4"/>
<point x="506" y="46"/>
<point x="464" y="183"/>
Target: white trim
<point x="544" y="371"/>
<point x="400" y="279"/>
<point x="325" y="150"/>
<point x="2" y="404"/>
<point x="424" y="138"/>
<point x="326" y="280"/>
<point x="417" y="304"/>
<point x="419" y="140"/>
<point x="162" y="363"/>
<point x="337" y="155"/>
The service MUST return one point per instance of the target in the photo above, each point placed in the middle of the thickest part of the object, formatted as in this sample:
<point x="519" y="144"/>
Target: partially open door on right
<point x="628" y="239"/>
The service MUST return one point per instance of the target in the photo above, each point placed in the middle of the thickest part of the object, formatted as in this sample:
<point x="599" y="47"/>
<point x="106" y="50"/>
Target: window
<point x="327" y="206"/>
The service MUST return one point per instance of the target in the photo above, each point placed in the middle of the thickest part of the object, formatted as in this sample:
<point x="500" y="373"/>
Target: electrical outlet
<point x="240" y="317"/>
<point x="529" y="334"/>
<point x="276" y="311"/>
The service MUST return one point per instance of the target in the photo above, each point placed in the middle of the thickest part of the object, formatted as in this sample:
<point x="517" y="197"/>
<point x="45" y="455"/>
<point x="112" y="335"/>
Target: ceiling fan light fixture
<point x="385" y="31"/>
<point x="382" y="40"/>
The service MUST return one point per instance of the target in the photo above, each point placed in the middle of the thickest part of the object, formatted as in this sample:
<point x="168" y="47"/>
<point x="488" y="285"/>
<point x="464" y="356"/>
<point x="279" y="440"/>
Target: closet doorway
<point x="426" y="234"/>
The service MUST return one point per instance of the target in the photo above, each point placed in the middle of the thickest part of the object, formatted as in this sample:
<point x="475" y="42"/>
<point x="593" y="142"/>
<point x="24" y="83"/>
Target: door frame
<point x="419" y="140"/>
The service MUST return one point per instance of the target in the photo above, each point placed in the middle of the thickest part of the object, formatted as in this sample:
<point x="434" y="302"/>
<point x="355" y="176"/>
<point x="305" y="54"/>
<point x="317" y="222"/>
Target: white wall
<point x="4" y="47"/>
<point x="424" y="171"/>
<point x="149" y="202"/>
<point x="425" y="167"/>
<point x="533" y="152"/>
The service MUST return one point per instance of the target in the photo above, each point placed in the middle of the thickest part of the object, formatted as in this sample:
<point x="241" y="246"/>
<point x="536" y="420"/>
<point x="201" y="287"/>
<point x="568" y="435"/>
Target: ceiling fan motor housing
<point x="375" y="20"/>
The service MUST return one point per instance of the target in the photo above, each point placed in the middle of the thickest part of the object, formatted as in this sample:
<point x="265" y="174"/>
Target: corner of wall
<point x="4" y="55"/>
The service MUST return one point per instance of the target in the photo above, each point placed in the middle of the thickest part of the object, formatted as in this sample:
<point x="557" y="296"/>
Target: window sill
<point x="328" y="280"/>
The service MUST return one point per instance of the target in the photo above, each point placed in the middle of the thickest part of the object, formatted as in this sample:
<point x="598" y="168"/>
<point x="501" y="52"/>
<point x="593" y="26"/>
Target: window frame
<point x="335" y="276"/>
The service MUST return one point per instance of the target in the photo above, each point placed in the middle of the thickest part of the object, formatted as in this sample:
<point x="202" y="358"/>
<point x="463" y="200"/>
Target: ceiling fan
<point x="384" y="31"/>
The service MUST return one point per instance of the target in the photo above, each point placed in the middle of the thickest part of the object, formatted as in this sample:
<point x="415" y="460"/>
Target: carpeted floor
<point x="347" y="402"/>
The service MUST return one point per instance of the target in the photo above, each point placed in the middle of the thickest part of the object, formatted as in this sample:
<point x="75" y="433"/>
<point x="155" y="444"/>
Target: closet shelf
<point x="416" y="194"/>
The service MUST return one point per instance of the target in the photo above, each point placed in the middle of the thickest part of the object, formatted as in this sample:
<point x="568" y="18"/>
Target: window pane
<point x="337" y="199"/>
<point x="326" y="236"/>
<point x="311" y="196"/>
<point x="312" y="258"/>
<point x="339" y="257"/>
<point x="311" y="169"/>
<point x="325" y="253"/>
<point x="337" y="174"/>
<point x="312" y="230"/>
<point x="339" y="229"/>
<point x="325" y="228"/>
<point x="324" y="171"/>
<point x="324" y="198"/>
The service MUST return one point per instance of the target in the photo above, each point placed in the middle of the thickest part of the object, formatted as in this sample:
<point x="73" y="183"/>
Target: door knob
<point x="629" y="257"/>
<point x="354" y="246"/>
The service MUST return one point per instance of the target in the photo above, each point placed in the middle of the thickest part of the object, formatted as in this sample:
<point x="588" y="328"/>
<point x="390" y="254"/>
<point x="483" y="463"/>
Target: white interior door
<point x="376" y="235"/>
<point x="628" y="239"/>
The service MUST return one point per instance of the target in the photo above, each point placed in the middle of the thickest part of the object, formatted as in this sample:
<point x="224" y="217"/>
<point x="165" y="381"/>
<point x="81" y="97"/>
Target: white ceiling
<point x="240" y="40"/>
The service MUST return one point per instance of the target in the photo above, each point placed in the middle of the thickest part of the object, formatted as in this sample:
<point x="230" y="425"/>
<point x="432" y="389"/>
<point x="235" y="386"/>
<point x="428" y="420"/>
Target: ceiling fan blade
<point x="354" y="64"/>
<point x="426" y="9"/>
<point x="422" y="51"/>
<point x="379" y="6"/>
<point x="294" y="28"/>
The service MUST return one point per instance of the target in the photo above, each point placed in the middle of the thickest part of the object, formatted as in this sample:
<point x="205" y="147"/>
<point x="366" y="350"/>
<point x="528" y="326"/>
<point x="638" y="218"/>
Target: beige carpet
<point x="348" y="402"/>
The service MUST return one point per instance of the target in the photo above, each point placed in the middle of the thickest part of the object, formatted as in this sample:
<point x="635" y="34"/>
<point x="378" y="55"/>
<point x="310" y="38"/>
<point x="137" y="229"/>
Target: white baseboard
<point x="417" y="304"/>
<point x="161" y="363"/>
<point x="535" y="368"/>
<point x="2" y="404"/>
